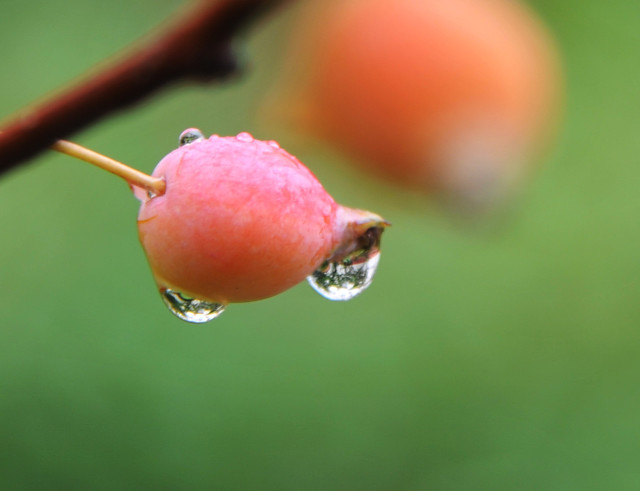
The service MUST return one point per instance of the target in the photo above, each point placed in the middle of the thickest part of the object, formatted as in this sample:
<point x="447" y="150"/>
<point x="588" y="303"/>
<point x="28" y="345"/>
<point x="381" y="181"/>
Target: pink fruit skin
<point x="239" y="221"/>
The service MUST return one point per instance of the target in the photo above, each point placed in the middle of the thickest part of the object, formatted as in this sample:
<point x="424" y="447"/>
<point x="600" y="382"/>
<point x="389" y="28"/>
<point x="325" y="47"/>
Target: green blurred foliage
<point x="506" y="358"/>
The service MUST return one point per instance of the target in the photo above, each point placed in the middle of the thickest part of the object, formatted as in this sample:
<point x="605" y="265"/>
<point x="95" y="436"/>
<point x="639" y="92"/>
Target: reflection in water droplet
<point x="345" y="277"/>
<point x="191" y="309"/>
<point x="343" y="281"/>
<point x="190" y="135"/>
<point x="244" y="137"/>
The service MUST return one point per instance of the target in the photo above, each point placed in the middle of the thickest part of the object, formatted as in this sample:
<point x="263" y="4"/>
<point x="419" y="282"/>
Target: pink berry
<point x="241" y="220"/>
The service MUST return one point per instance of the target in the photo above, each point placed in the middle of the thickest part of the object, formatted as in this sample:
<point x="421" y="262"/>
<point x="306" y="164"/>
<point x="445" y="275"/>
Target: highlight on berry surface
<point x="241" y="220"/>
<point x="457" y="98"/>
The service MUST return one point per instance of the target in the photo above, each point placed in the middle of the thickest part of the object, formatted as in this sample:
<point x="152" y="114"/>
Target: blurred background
<point x="502" y="357"/>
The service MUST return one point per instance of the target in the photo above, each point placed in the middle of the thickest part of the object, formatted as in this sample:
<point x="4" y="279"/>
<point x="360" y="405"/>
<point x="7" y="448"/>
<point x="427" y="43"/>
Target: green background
<point x="506" y="357"/>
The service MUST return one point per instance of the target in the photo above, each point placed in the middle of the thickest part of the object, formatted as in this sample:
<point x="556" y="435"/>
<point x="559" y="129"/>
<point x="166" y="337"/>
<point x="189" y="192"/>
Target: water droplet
<point x="273" y="143"/>
<point x="191" y="309"/>
<point x="244" y="137"/>
<point x="342" y="278"/>
<point x="342" y="281"/>
<point x="190" y="135"/>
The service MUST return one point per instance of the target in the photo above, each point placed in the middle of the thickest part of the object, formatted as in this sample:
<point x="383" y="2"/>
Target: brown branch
<point x="197" y="47"/>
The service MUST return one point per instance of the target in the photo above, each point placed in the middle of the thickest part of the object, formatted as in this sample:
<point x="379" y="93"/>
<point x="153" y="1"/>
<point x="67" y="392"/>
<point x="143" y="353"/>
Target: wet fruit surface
<point x="242" y="220"/>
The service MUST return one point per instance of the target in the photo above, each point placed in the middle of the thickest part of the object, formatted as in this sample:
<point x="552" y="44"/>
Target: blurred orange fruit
<point x="451" y="96"/>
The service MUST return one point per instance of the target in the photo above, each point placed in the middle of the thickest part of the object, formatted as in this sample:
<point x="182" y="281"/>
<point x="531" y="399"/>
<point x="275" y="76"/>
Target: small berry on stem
<point x="235" y="219"/>
<point x="242" y="220"/>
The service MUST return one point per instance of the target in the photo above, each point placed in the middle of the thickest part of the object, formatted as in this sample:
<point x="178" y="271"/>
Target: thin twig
<point x="197" y="47"/>
<point x="129" y="174"/>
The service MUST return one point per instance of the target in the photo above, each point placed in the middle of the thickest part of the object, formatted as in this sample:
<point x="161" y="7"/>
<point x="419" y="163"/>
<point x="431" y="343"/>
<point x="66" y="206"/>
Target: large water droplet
<point x="244" y="137"/>
<point x="191" y="309"/>
<point x="340" y="281"/>
<point x="190" y="135"/>
<point x="345" y="277"/>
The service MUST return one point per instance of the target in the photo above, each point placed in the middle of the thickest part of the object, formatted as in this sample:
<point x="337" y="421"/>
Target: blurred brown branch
<point x="198" y="47"/>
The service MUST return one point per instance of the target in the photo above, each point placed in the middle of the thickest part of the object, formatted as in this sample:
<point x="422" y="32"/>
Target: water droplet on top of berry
<point x="244" y="137"/>
<point x="273" y="143"/>
<point x="191" y="309"/>
<point x="190" y="135"/>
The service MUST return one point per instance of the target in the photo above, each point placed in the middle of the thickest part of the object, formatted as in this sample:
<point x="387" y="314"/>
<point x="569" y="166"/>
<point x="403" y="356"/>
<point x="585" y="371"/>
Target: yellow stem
<point x="129" y="174"/>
